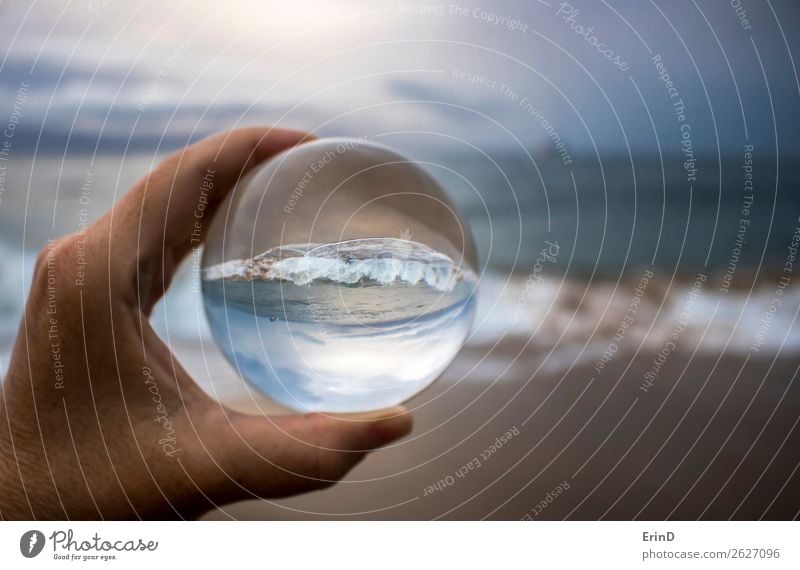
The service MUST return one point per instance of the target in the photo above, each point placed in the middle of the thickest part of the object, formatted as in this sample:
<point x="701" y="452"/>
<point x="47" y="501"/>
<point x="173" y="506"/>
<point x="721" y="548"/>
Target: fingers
<point x="295" y="454"/>
<point x="162" y="208"/>
<point x="350" y="432"/>
<point x="167" y="212"/>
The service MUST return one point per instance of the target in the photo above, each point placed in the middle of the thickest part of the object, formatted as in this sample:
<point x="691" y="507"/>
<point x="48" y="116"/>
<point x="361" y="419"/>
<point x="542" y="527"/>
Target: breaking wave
<point x="360" y="261"/>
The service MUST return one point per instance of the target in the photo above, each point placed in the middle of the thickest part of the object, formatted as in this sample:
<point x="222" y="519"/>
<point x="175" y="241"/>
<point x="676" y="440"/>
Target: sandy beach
<point x="554" y="409"/>
<point x="713" y="439"/>
<point x="551" y="411"/>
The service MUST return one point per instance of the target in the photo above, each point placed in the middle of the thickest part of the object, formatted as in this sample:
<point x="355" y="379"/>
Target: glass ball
<point x="338" y="277"/>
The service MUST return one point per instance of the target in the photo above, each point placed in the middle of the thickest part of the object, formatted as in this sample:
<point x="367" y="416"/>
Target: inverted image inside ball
<point x="338" y="277"/>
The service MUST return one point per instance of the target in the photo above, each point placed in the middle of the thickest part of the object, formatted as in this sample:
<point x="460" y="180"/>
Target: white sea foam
<point x="573" y="313"/>
<point x="371" y="260"/>
<point x="561" y="314"/>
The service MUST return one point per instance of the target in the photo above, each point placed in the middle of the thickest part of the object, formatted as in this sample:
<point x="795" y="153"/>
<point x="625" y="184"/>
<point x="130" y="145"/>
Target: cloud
<point x="163" y="73"/>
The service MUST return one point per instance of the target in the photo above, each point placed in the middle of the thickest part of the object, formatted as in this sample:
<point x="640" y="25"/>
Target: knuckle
<point x="40" y="266"/>
<point x="54" y="266"/>
<point x="66" y="249"/>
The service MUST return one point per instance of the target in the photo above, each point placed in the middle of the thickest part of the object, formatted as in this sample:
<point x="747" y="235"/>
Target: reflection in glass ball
<point x="339" y="278"/>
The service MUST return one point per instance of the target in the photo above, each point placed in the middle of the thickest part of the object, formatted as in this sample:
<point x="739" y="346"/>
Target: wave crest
<point x="365" y="261"/>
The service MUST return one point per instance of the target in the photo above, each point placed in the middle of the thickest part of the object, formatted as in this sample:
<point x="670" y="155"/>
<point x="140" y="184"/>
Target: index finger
<point x="157" y="218"/>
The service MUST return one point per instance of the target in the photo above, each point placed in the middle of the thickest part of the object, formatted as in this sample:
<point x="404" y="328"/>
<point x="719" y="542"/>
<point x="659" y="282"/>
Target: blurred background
<point x="646" y="365"/>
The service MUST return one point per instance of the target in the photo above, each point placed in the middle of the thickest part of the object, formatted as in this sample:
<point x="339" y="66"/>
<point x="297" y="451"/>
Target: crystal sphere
<point x="338" y="277"/>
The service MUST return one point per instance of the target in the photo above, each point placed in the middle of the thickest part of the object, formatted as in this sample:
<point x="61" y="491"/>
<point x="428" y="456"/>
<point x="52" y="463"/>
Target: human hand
<point x="81" y="433"/>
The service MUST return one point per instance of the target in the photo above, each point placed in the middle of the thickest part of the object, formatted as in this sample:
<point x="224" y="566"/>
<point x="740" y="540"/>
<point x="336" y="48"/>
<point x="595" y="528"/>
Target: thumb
<point x="286" y="455"/>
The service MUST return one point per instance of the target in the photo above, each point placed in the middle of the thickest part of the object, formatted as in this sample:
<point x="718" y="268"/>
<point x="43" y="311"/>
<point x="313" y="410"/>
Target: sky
<point x="109" y="75"/>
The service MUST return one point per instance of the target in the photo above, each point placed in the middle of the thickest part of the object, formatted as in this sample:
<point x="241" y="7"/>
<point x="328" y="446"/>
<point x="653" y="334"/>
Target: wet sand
<point x="711" y="438"/>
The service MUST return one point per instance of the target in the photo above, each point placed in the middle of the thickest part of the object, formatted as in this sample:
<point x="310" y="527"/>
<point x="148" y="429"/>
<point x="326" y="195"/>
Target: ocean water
<point x="344" y="327"/>
<point x="609" y="231"/>
<point x="612" y="215"/>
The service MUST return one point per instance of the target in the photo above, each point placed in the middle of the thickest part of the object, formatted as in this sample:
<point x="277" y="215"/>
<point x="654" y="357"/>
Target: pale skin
<point x="90" y="446"/>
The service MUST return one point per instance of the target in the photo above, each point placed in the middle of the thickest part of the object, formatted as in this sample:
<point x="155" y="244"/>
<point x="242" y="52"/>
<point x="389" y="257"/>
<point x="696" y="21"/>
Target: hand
<point x="97" y="417"/>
